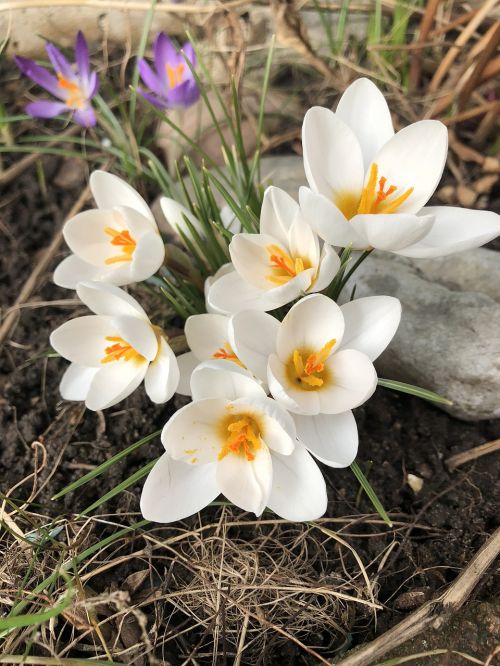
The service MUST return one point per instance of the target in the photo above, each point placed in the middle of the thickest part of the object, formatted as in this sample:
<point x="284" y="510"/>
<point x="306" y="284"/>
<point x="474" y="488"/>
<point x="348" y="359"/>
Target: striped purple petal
<point x="183" y="95"/>
<point x="82" y="56"/>
<point x="59" y="62"/>
<point x="158" y="102"/>
<point x="85" y="117"/>
<point x="164" y="52"/>
<point x="39" y="75"/>
<point x="190" y="55"/>
<point x="92" y="85"/>
<point x="46" y="109"/>
<point x="151" y="79"/>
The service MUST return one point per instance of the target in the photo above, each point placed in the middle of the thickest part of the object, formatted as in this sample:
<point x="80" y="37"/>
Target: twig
<point x="416" y="57"/>
<point x="434" y="613"/>
<point x="466" y="456"/>
<point x="37" y="271"/>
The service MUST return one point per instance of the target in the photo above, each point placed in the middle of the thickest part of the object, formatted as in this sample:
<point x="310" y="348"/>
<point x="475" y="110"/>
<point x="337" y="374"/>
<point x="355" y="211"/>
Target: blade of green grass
<point x="417" y="391"/>
<point x="372" y="496"/>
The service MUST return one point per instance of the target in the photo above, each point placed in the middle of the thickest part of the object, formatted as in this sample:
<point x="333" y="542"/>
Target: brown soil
<point x="455" y="511"/>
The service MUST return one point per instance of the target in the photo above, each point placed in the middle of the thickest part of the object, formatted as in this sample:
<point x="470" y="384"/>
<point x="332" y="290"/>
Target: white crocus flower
<point x="369" y="186"/>
<point x="118" y="242"/>
<point x="233" y="440"/>
<point x="318" y="363"/>
<point x="276" y="265"/>
<point x="112" y="351"/>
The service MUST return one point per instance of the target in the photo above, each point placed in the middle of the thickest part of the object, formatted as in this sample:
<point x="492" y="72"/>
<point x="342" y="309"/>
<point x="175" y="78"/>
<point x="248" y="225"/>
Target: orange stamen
<point x="76" y="98"/>
<point x="284" y="266"/>
<point x="243" y="439"/>
<point x="120" y="350"/>
<point x="310" y="375"/>
<point x="121" y="239"/>
<point x="226" y="353"/>
<point x="175" y="74"/>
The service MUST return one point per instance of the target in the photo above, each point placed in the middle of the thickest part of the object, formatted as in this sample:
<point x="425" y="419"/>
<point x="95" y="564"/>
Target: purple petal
<point x="85" y="117"/>
<point x="92" y="85"/>
<point x="183" y="95"/>
<point x="82" y="56"/>
<point x="158" y="102"/>
<point x="164" y="53"/>
<point x="44" y="108"/>
<point x="190" y="54"/>
<point x="39" y="75"/>
<point x="151" y="79"/>
<point x="59" y="62"/>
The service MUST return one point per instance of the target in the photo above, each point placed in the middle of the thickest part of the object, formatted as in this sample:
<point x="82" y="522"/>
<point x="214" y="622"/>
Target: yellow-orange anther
<point x="311" y="371"/>
<point x="243" y="439"/>
<point x="376" y="200"/>
<point x="119" y="350"/>
<point x="76" y="98"/>
<point x="226" y="353"/>
<point x="175" y="74"/>
<point x="284" y="266"/>
<point x="124" y="241"/>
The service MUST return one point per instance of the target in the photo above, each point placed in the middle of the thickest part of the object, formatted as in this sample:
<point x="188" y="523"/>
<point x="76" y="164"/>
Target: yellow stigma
<point x="306" y="369"/>
<point x="375" y="198"/>
<point x="241" y="435"/>
<point x="120" y="350"/>
<point x="175" y="74"/>
<point x="226" y="353"/>
<point x="124" y="241"/>
<point x="76" y="98"/>
<point x="283" y="266"/>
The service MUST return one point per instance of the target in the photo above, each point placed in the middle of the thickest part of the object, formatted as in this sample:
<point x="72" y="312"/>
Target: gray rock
<point x="449" y="337"/>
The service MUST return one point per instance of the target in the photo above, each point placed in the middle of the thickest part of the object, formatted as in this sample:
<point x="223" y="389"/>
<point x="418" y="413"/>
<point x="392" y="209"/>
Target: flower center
<point x="124" y="241"/>
<point x="75" y="98"/>
<point x="175" y="74"/>
<point x="120" y="350"/>
<point x="283" y="266"/>
<point x="375" y="197"/>
<point x="306" y="369"/>
<point x="241" y="437"/>
<point x="226" y="353"/>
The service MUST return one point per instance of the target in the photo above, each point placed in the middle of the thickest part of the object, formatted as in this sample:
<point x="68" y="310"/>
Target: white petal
<point x="163" y="373"/>
<point x="328" y="221"/>
<point x="75" y="382"/>
<point x="135" y="222"/>
<point x="110" y="191"/>
<point x="278" y="427"/>
<point x="108" y="299"/>
<point x="216" y="379"/>
<point x="187" y="363"/>
<point x="298" y="492"/>
<point x="251" y="258"/>
<point x="454" y="230"/>
<point x="333" y="160"/>
<point x="245" y="483"/>
<point x="354" y="380"/>
<point x="303" y="241"/>
<point x="364" y="109"/>
<point x="231" y="293"/>
<point x="253" y="338"/>
<point x="73" y="270"/>
<point x="192" y="433"/>
<point x="148" y="256"/>
<point x="206" y="334"/>
<point x="229" y="220"/>
<point x="328" y="268"/>
<point x="278" y="212"/>
<point x="174" y="214"/>
<point x="175" y="490"/>
<point x="138" y="333"/>
<point x="287" y="394"/>
<point x="331" y="438"/>
<point x="370" y="324"/>
<point x="310" y="324"/>
<point x="414" y="157"/>
<point x="223" y="270"/>
<point x="392" y="232"/>
<point x="114" y="382"/>
<point x="85" y="236"/>
<point x="83" y="340"/>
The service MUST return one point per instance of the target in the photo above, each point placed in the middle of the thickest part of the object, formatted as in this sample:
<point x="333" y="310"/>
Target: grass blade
<point x="417" y="391"/>
<point x="372" y="496"/>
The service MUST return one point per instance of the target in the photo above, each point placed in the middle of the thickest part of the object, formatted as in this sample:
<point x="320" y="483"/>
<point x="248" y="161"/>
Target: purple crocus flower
<point x="172" y="85"/>
<point x="74" y="85"/>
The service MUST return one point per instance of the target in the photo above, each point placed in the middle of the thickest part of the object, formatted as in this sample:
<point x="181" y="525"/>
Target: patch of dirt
<point x="446" y="522"/>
